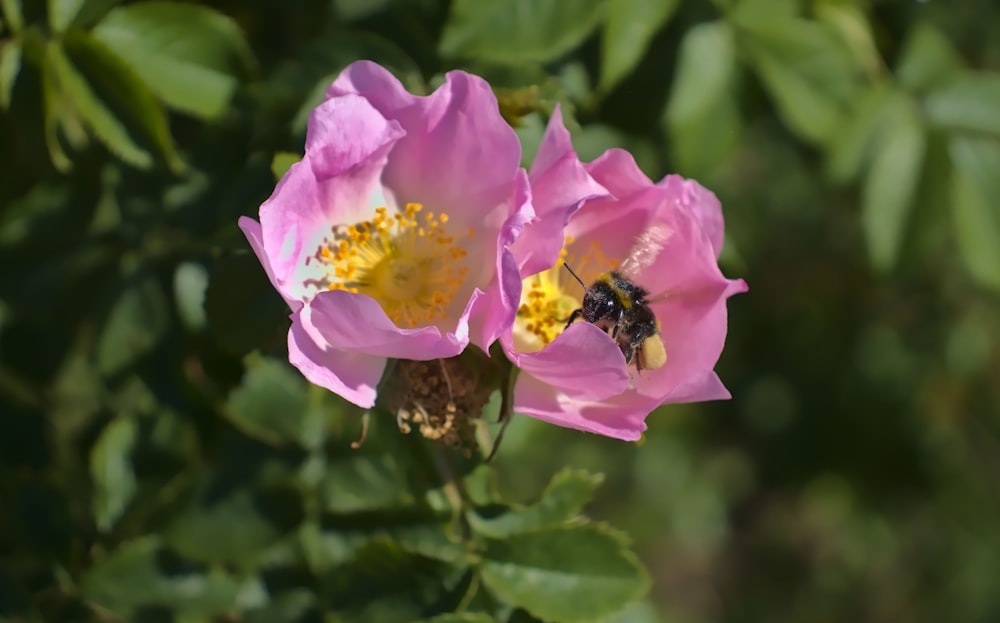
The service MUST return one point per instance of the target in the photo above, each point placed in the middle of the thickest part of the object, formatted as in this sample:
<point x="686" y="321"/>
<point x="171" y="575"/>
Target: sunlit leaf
<point x="892" y="180"/>
<point x="189" y="55"/>
<point x="975" y="209"/>
<point x="588" y="568"/>
<point x="111" y="469"/>
<point x="134" y="325"/>
<point x="10" y="66"/>
<point x="286" y="607"/>
<point x="628" y="29"/>
<point x="970" y="103"/>
<point x="852" y="24"/>
<point x="511" y="31"/>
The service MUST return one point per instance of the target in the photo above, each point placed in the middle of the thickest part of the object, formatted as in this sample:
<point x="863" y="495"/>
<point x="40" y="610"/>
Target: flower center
<point x="409" y="262"/>
<point x="548" y="298"/>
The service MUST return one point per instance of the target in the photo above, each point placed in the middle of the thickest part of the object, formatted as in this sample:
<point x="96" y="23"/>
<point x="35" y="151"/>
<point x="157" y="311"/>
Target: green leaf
<point x="225" y="523"/>
<point x="283" y="161"/>
<point x="114" y="103"/>
<point x="99" y="118"/>
<point x="131" y="577"/>
<point x="190" y="283"/>
<point x="13" y="14"/>
<point x="628" y="29"/>
<point x="928" y="59"/>
<point x="891" y="183"/>
<point x="242" y="307"/>
<point x="385" y="583"/>
<point x="111" y="470"/>
<point x="850" y="149"/>
<point x="970" y="103"/>
<point x="807" y="71"/>
<point x="189" y="55"/>
<point x="576" y="573"/>
<point x="467" y="617"/>
<point x="851" y="23"/>
<point x="286" y="607"/>
<point x="270" y="404"/>
<point x="135" y="324"/>
<point x="701" y="113"/>
<point x="515" y="31"/>
<point x="562" y="501"/>
<point x="64" y="14"/>
<point x="10" y="66"/>
<point x="975" y="210"/>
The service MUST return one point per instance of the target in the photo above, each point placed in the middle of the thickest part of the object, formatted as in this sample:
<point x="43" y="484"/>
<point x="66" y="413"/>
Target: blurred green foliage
<point x="160" y="461"/>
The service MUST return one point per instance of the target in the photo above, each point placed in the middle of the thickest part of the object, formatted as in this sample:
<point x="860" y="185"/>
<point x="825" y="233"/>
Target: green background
<point x="160" y="461"/>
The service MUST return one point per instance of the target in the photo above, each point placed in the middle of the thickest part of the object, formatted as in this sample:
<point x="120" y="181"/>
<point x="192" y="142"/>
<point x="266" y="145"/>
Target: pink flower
<point x="595" y="216"/>
<point x="389" y="239"/>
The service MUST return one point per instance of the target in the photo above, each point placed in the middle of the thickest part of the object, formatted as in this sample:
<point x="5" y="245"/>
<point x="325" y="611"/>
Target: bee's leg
<point x="574" y="316"/>
<point x="628" y="349"/>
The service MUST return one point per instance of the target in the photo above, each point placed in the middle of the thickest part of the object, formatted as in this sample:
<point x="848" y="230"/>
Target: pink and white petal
<point x="621" y="417"/>
<point x="357" y="323"/>
<point x="376" y="84"/>
<point x="352" y="375"/>
<point x="459" y="155"/>
<point x="702" y="203"/>
<point x="583" y="362"/>
<point x="252" y="230"/>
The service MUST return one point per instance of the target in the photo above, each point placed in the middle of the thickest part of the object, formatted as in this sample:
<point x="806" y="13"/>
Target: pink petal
<point x="494" y="312"/>
<point x="251" y="229"/>
<point x="458" y="156"/>
<point x="617" y="171"/>
<point x="621" y="417"/>
<point x="352" y="375"/>
<point x="355" y="322"/>
<point x="332" y="184"/>
<point x="700" y="202"/>
<point x="583" y="362"/>
<point x="559" y="185"/>
<point x="374" y="83"/>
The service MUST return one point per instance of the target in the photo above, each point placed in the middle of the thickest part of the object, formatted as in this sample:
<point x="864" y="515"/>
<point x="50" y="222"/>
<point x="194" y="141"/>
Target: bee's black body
<point x="618" y="305"/>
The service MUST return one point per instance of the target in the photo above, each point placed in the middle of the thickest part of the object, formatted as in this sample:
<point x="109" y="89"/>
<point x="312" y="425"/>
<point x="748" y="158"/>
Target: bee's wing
<point x="647" y="246"/>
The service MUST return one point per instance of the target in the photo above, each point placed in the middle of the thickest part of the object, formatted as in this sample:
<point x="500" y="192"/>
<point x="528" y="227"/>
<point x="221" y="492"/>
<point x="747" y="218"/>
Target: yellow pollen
<point x="414" y="269"/>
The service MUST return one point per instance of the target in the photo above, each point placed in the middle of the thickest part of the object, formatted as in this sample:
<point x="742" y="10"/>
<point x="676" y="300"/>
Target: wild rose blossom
<point x="593" y="216"/>
<point x="389" y="239"/>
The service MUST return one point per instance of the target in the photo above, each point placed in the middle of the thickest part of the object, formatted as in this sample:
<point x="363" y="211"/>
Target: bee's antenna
<point x="580" y="281"/>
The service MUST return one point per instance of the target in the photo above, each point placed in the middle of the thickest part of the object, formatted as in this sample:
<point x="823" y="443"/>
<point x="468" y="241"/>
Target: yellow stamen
<point x="411" y="267"/>
<point x="548" y="298"/>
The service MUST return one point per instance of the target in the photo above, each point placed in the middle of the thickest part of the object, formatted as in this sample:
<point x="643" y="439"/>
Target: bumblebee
<point x="620" y="307"/>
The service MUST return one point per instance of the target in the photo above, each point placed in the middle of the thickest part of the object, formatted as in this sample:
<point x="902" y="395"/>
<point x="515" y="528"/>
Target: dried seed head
<point x="441" y="399"/>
